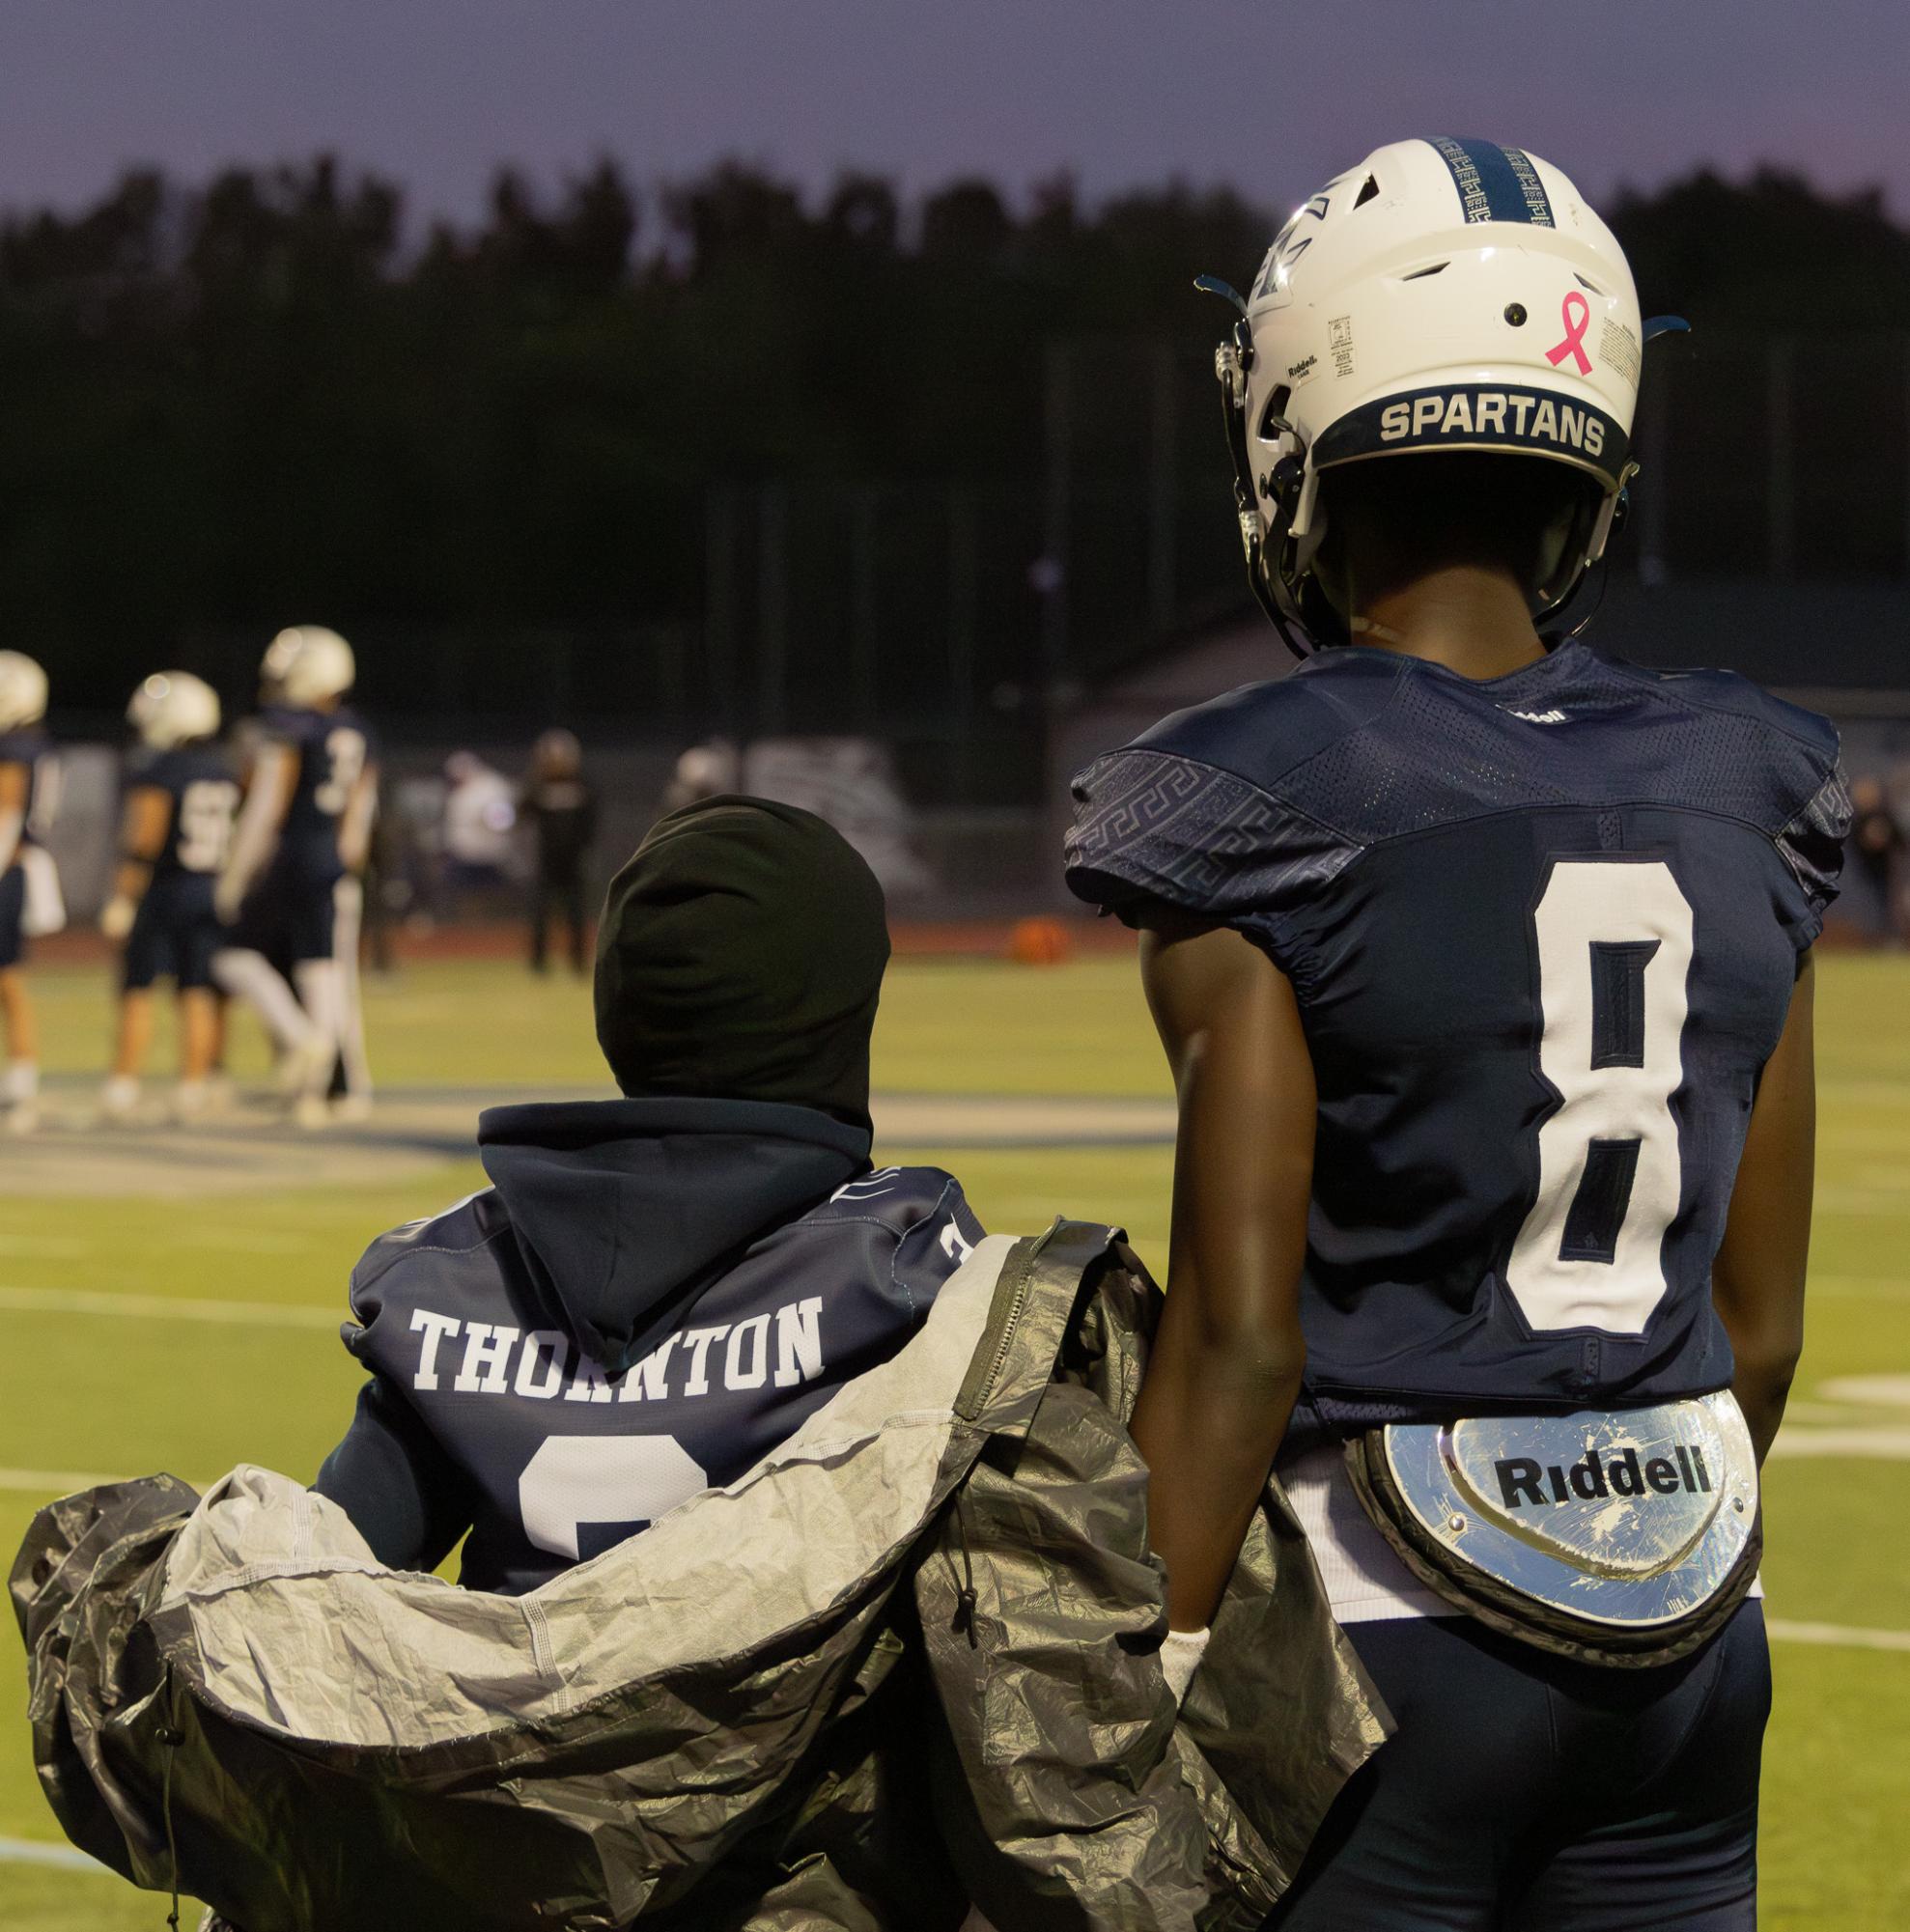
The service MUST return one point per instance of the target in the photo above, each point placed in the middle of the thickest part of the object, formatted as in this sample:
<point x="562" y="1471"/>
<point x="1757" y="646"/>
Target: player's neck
<point x="1473" y="619"/>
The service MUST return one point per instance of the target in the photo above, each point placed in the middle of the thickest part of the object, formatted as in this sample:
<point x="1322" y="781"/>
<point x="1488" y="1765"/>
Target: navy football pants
<point x="1524" y="1793"/>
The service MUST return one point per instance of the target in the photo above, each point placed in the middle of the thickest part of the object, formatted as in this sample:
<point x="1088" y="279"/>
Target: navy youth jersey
<point x="198" y="781"/>
<point x="331" y="750"/>
<point x="1543" y="932"/>
<point x="550" y="1461"/>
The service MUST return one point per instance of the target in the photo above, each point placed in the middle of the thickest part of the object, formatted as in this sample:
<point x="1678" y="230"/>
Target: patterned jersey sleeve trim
<point x="1151" y="827"/>
<point x="1812" y="846"/>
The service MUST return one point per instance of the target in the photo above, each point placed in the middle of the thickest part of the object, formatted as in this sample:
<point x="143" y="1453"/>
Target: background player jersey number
<point x="345" y="760"/>
<point x="1614" y="944"/>
<point x="205" y="810"/>
<point x="620" y="1481"/>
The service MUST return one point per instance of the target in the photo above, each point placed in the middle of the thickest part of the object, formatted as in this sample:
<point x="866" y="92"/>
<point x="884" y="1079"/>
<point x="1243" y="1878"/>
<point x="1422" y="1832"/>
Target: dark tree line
<point x="260" y="400"/>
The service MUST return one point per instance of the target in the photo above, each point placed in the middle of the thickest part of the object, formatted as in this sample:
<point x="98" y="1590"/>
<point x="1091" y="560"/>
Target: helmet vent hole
<point x="1592" y="286"/>
<point x="1369" y="192"/>
<point x="1273" y="418"/>
<point x="1421" y="274"/>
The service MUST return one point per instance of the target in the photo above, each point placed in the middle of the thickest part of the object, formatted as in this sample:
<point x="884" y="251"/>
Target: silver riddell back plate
<point x="1629" y="1517"/>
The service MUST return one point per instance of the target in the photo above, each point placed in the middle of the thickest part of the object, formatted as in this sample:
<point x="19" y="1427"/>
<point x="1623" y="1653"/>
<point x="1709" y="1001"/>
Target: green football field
<point x="192" y="1329"/>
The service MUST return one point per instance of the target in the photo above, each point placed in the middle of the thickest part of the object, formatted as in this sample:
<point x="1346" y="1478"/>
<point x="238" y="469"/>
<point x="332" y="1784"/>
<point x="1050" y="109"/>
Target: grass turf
<point x="112" y="1395"/>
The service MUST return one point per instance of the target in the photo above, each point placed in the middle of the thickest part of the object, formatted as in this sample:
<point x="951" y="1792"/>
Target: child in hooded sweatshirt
<point x="657" y="1290"/>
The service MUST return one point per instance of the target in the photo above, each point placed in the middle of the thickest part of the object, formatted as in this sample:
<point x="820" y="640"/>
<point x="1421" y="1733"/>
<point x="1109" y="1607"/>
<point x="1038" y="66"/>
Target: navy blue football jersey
<point x="550" y="1459"/>
<point x="199" y="781"/>
<point x="1543" y="932"/>
<point x="332" y="748"/>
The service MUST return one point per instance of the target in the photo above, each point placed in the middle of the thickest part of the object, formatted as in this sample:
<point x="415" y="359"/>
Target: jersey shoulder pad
<point x="435" y="1249"/>
<point x="894" y="1199"/>
<point x="1734" y="695"/>
<point x="1776" y="765"/>
<point x="1195" y="814"/>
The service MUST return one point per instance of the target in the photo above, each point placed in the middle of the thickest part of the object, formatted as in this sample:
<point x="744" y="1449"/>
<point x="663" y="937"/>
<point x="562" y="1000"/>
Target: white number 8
<point x="1614" y="944"/>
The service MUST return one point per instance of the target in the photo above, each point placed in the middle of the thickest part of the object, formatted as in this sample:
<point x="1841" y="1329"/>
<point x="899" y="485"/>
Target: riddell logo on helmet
<point x="1491" y="412"/>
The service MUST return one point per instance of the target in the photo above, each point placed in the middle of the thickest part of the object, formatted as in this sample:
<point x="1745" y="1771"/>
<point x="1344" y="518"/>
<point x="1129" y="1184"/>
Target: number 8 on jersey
<point x="1612" y="953"/>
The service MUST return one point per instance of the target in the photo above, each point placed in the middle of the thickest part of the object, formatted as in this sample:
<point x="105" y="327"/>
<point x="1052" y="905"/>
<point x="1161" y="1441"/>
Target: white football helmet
<point x="307" y="665"/>
<point x="22" y="691"/>
<point x="1443" y="294"/>
<point x="172" y="708"/>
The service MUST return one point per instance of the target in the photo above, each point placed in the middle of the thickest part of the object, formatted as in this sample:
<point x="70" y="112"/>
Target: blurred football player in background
<point x="303" y="831"/>
<point x="176" y="836"/>
<point x="29" y="886"/>
<point x="561" y="806"/>
<point x="1482" y="959"/>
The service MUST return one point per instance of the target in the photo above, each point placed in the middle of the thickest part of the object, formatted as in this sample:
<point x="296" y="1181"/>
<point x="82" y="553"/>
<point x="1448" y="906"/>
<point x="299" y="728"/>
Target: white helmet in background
<point x="1442" y="295"/>
<point x="22" y="691"/>
<point x="172" y="707"/>
<point x="307" y="665"/>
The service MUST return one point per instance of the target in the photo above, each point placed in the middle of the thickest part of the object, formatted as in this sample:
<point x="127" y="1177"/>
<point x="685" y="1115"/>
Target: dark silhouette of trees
<point x="263" y="399"/>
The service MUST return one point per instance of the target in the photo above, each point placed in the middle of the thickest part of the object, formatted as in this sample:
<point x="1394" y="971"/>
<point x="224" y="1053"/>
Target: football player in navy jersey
<point x="180" y="805"/>
<point x="24" y="754"/>
<point x="303" y="831"/>
<point x="654" y="1291"/>
<point x="1482" y="957"/>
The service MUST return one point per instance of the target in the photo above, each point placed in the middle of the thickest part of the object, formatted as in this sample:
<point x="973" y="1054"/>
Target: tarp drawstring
<point x="170" y="1739"/>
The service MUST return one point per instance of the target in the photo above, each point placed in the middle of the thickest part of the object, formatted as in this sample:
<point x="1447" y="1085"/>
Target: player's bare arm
<point x="1222" y="1381"/>
<point x="268" y="792"/>
<point x="143" y="828"/>
<point x="1758" y="1280"/>
<point x="13" y="779"/>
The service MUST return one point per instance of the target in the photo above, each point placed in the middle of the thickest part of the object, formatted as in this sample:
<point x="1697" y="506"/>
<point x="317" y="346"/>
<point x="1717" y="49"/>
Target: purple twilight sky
<point x="1266" y="93"/>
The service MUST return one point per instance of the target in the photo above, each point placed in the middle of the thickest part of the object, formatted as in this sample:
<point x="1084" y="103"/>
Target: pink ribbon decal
<point x="1577" y="321"/>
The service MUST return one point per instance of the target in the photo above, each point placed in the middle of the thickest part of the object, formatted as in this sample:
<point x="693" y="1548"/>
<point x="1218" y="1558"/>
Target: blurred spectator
<point x="1876" y="839"/>
<point x="558" y="801"/>
<point x="480" y="811"/>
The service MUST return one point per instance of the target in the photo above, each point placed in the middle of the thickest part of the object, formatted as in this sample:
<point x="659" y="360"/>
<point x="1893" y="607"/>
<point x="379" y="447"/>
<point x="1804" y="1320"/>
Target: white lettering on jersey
<point x="1553" y="716"/>
<point x="555" y="1346"/>
<point x="591" y="1383"/>
<point x="697" y="1341"/>
<point x="488" y="1350"/>
<point x="649" y="1380"/>
<point x="755" y="1337"/>
<point x="954" y="1247"/>
<point x="544" y="1357"/>
<point x="436" y="1329"/>
<point x="798" y="1341"/>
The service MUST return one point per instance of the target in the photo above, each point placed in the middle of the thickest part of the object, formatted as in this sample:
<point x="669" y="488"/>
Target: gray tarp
<point x="908" y="1658"/>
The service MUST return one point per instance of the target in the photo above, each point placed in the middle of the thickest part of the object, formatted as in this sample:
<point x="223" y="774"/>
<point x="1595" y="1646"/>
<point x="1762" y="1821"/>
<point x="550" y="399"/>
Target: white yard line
<point x="1842" y="1635"/>
<point x="167" y="1308"/>
<point x="1884" y="1444"/>
<point x="31" y="1852"/>
<point x="50" y="1483"/>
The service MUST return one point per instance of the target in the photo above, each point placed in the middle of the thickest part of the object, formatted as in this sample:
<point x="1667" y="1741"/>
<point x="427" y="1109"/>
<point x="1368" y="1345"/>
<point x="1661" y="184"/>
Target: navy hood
<point x="619" y="1206"/>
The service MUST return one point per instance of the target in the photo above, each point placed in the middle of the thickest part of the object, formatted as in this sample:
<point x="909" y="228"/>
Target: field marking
<point x="1882" y="1288"/>
<point x="66" y="1858"/>
<point x="167" y="1308"/>
<point x="1841" y="1636"/>
<point x="1880" y="1446"/>
<point x="53" y="1483"/>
